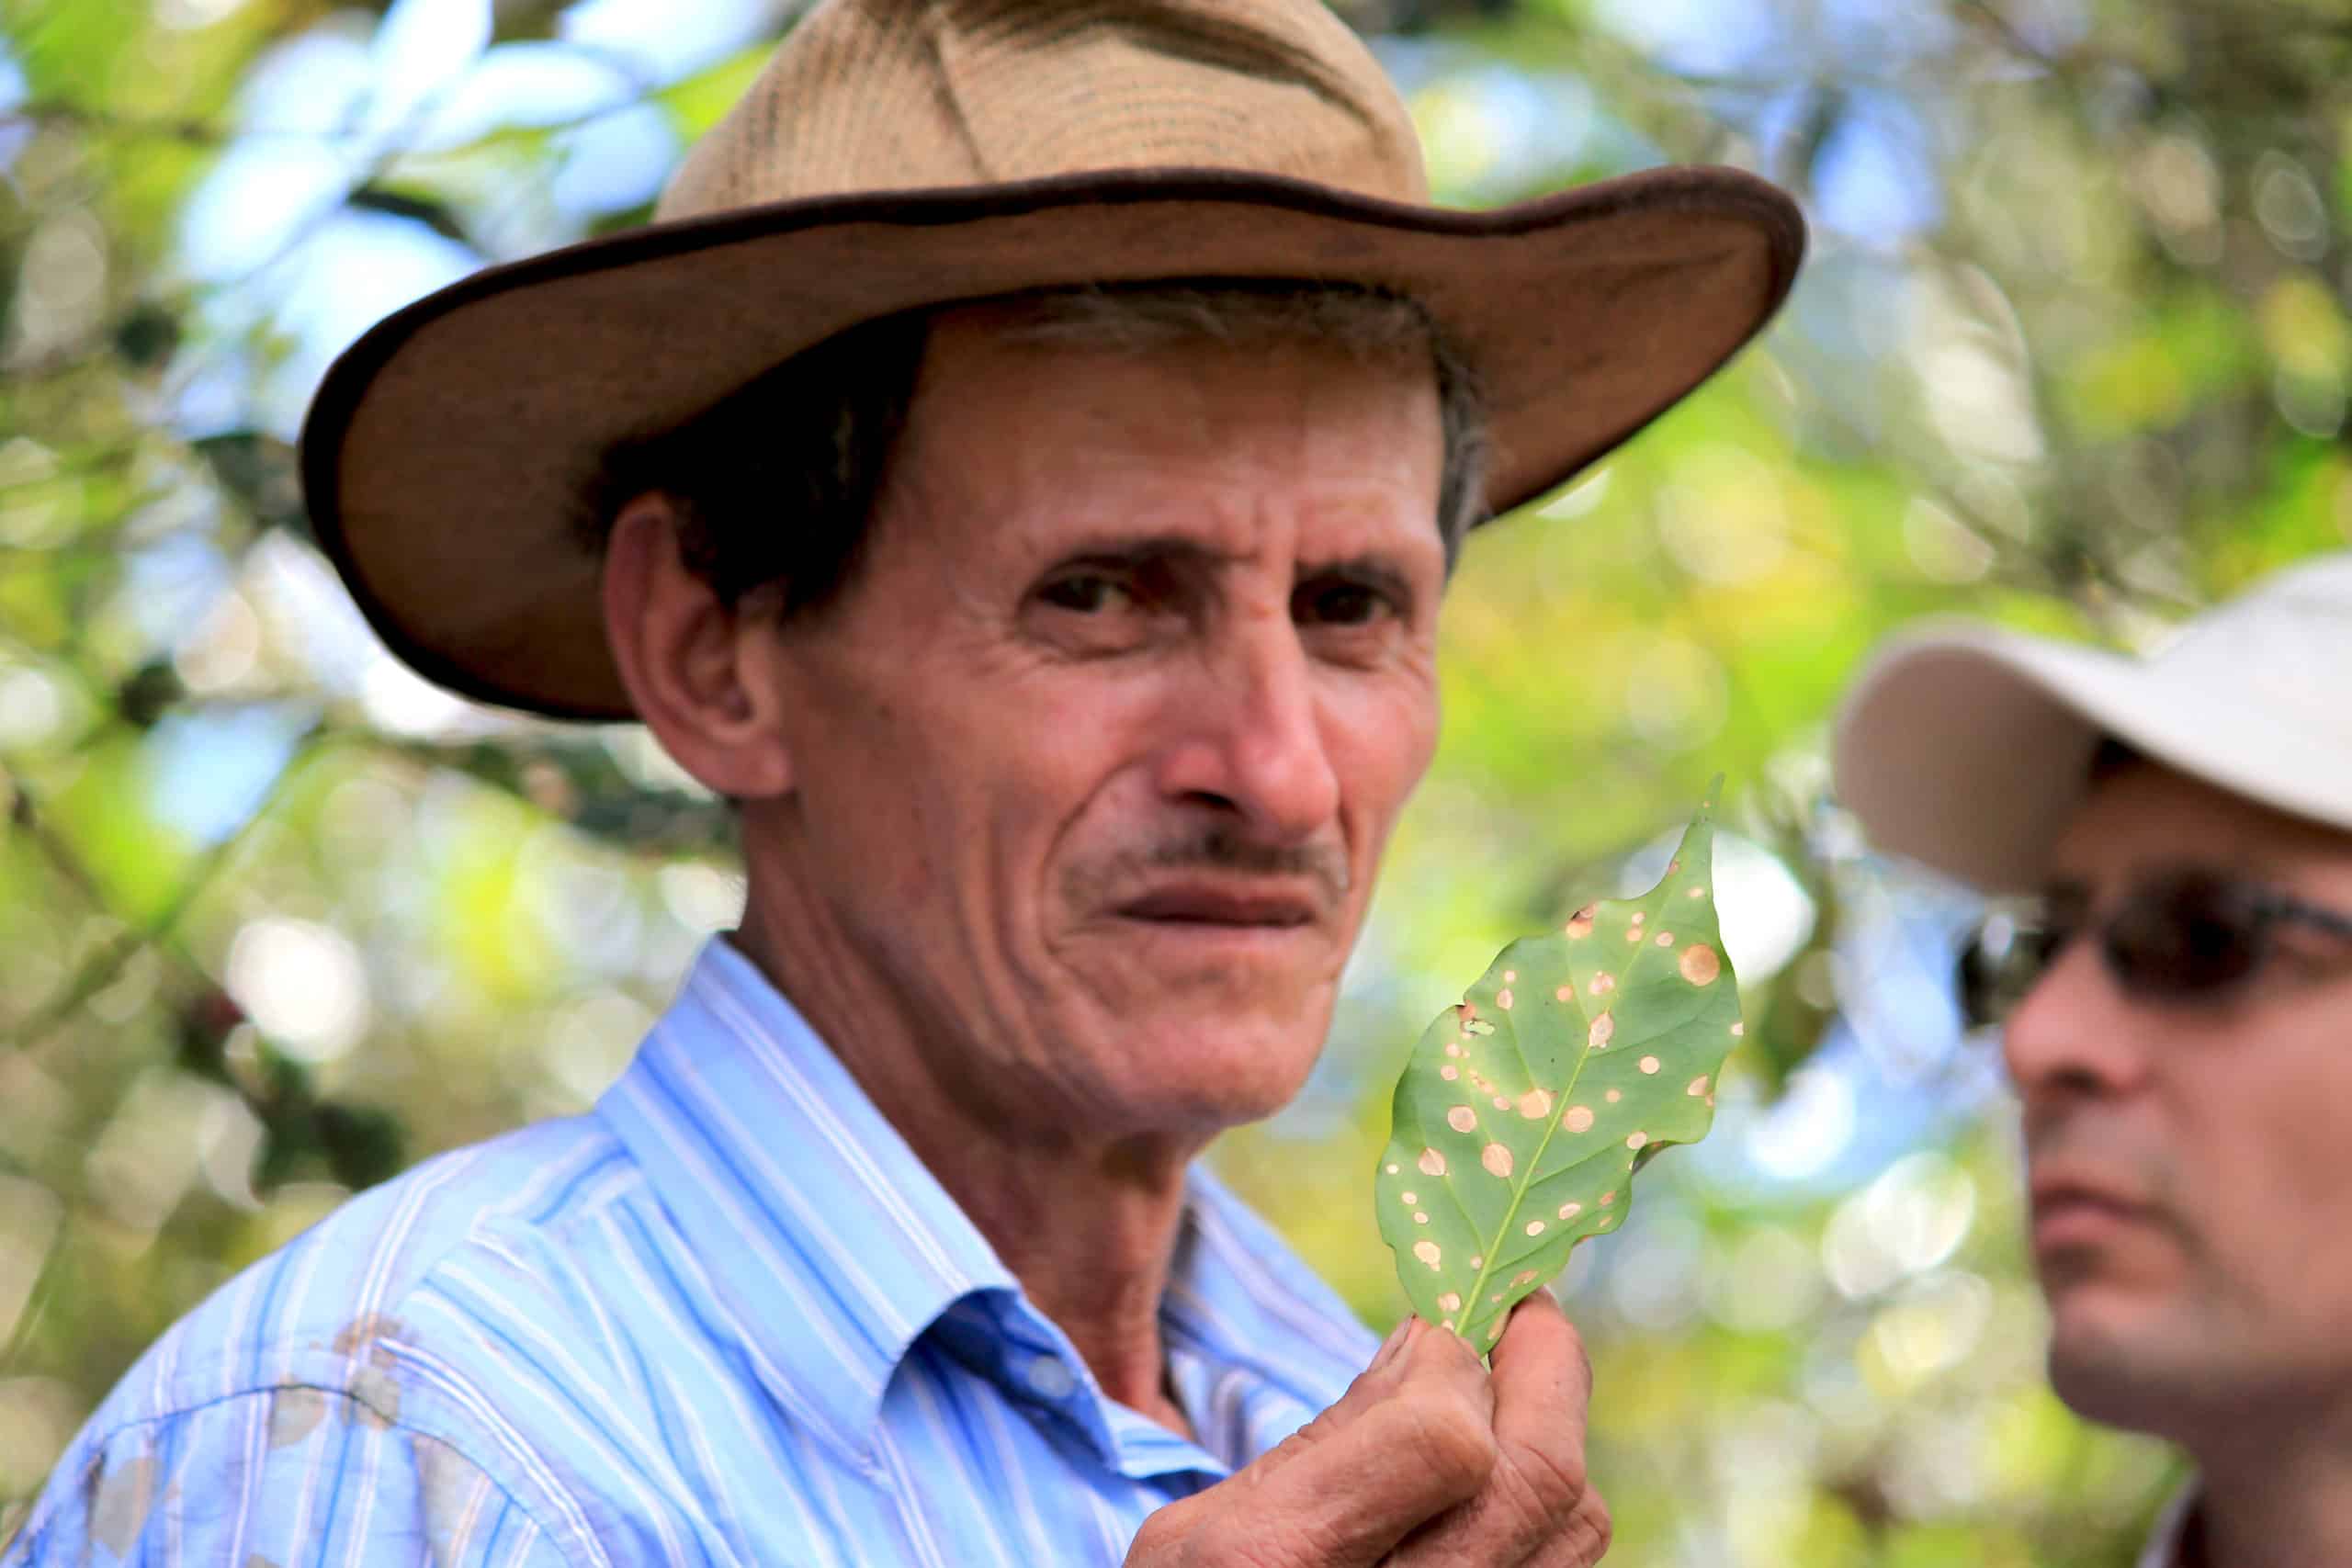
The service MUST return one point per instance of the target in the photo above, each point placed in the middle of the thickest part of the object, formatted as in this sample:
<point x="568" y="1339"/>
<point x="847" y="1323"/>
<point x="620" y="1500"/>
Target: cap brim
<point x="447" y="451"/>
<point x="1970" y="749"/>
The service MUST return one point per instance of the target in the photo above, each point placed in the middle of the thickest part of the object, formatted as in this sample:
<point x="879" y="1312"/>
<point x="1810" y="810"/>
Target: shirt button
<point x="1049" y="1379"/>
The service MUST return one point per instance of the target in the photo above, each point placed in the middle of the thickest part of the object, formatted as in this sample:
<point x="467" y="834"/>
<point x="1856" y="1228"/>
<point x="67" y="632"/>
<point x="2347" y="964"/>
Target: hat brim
<point x="447" y="451"/>
<point x="1969" y="751"/>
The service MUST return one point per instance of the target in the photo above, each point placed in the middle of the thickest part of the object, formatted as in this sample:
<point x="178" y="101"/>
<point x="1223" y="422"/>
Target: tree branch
<point x="100" y="969"/>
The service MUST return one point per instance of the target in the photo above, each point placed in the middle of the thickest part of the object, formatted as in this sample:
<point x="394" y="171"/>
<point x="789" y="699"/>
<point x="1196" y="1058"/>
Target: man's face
<point x="2192" y="1166"/>
<point x="1094" y="759"/>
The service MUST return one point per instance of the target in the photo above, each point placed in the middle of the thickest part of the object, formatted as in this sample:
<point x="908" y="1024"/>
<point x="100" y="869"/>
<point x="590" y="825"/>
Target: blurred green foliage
<point x="2071" y="351"/>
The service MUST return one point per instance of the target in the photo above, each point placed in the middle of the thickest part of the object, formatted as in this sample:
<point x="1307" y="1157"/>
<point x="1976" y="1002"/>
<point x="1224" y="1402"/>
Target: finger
<point x="1376" y="1381"/>
<point x="1417" y="1443"/>
<point x="1543" y="1381"/>
<point x="1386" y="1371"/>
<point x="1410" y="1440"/>
<point x="1535" y="1500"/>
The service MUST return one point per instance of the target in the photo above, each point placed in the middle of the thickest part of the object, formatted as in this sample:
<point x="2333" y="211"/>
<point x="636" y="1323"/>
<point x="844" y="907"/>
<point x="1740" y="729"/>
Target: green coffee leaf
<point x="1525" y="1110"/>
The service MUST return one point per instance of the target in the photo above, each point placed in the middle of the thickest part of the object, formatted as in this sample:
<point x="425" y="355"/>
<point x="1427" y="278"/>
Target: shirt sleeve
<point x="272" y="1478"/>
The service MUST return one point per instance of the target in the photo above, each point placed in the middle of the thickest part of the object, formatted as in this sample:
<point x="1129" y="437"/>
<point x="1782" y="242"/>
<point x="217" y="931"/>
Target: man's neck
<point x="1098" y="1268"/>
<point x="2281" y="1496"/>
<point x="1089" y="1228"/>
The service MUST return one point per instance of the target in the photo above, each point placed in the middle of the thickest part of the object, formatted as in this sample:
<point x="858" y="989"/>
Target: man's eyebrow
<point x="2250" y="863"/>
<point x="1181" y="550"/>
<point x="1378" y="571"/>
<point x="1139" y="550"/>
<point x="2066" y="890"/>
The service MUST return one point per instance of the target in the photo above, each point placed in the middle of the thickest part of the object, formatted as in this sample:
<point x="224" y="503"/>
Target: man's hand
<point x="1427" y="1459"/>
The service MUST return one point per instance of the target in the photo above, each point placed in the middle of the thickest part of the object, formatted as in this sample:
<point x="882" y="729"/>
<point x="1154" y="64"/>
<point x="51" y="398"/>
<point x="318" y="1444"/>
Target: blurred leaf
<point x="701" y="100"/>
<point x="435" y="215"/>
<point x="362" y="1143"/>
<point x="578" y="783"/>
<point x="146" y="336"/>
<point x="68" y="48"/>
<point x="263" y="473"/>
<point x="134" y="861"/>
<point x="150" y="691"/>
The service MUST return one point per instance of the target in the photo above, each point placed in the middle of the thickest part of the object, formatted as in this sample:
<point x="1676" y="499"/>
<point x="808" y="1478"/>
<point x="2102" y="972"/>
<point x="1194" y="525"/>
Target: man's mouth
<point x="1224" y="906"/>
<point x="2074" y="1210"/>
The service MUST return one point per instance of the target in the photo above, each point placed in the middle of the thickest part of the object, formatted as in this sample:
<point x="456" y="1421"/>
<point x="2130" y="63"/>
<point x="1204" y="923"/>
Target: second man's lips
<point x="2057" y="1194"/>
<point x="2075" y="1209"/>
<point x="2055" y="1183"/>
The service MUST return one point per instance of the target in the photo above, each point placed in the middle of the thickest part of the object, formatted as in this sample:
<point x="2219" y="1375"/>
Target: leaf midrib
<point x="1494" y="1250"/>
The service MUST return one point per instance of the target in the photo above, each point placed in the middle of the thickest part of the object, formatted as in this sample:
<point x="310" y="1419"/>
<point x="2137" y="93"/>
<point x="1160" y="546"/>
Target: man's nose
<point x="1250" y="735"/>
<point x="2076" y="1033"/>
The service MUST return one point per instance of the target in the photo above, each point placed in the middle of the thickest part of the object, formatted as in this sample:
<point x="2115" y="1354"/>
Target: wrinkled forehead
<point x="1021" y="421"/>
<point x="2141" y="814"/>
<point x="1338" y="355"/>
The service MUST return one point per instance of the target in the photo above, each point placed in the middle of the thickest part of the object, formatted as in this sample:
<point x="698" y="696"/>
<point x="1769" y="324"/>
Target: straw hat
<point x="1969" y="749"/>
<point x="897" y="153"/>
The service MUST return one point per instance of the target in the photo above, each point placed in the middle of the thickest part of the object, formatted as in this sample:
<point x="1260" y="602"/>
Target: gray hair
<point x="811" y="440"/>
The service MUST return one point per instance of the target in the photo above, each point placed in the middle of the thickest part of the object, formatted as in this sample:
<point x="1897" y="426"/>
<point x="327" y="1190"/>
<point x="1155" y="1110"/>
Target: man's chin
<point x="1207" y="1070"/>
<point x="1269" y="992"/>
<point x="2128" y="1363"/>
<point x="1205" y="1047"/>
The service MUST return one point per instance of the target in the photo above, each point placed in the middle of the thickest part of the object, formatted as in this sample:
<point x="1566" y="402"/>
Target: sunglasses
<point x="2181" y="937"/>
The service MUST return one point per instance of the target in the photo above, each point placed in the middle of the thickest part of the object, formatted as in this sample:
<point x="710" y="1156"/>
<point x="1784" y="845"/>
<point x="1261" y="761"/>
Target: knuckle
<point x="1452" y="1442"/>
<point x="1183" y="1535"/>
<point x="1165" y="1539"/>
<point x="1594" y="1527"/>
<point x="1557" y="1476"/>
<point x="1579" y="1542"/>
<point x="1250" y="1539"/>
<point x="1546" y="1493"/>
<point x="1298" y="1442"/>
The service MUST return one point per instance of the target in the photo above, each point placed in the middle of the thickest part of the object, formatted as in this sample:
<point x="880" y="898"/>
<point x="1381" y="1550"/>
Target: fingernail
<point x="1394" y="1343"/>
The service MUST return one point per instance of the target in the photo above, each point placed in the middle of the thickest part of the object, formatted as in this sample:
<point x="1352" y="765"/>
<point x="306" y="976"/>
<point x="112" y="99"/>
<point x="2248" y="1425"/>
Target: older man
<point x="2183" y="1043"/>
<point x="1020" y="471"/>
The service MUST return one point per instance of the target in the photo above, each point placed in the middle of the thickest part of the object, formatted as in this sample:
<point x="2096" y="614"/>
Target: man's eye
<point x="1341" y="603"/>
<point x="1083" y="593"/>
<point x="2044" y="946"/>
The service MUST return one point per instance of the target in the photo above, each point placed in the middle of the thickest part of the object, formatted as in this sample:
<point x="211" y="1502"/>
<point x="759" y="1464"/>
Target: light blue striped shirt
<point x="725" y="1317"/>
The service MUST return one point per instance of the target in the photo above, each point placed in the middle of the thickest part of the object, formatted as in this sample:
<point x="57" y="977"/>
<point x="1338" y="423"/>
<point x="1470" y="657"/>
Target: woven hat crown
<point x="910" y="95"/>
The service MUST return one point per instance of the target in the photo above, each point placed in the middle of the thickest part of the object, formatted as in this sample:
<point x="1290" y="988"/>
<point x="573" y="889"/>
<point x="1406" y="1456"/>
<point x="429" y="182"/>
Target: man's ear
<point x="700" y="673"/>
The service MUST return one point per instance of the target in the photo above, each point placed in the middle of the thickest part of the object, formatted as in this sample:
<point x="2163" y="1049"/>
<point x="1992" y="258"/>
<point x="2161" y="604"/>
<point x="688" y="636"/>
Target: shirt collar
<point x="1239" y="1291"/>
<point x="837" y="1249"/>
<point x="2168" y="1542"/>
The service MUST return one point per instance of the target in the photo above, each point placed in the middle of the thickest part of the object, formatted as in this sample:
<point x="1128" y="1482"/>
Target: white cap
<point x="1969" y="749"/>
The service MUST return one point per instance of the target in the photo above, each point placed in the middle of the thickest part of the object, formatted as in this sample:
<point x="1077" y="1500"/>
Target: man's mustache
<point x="1216" y="848"/>
<point x="2066" y="1143"/>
